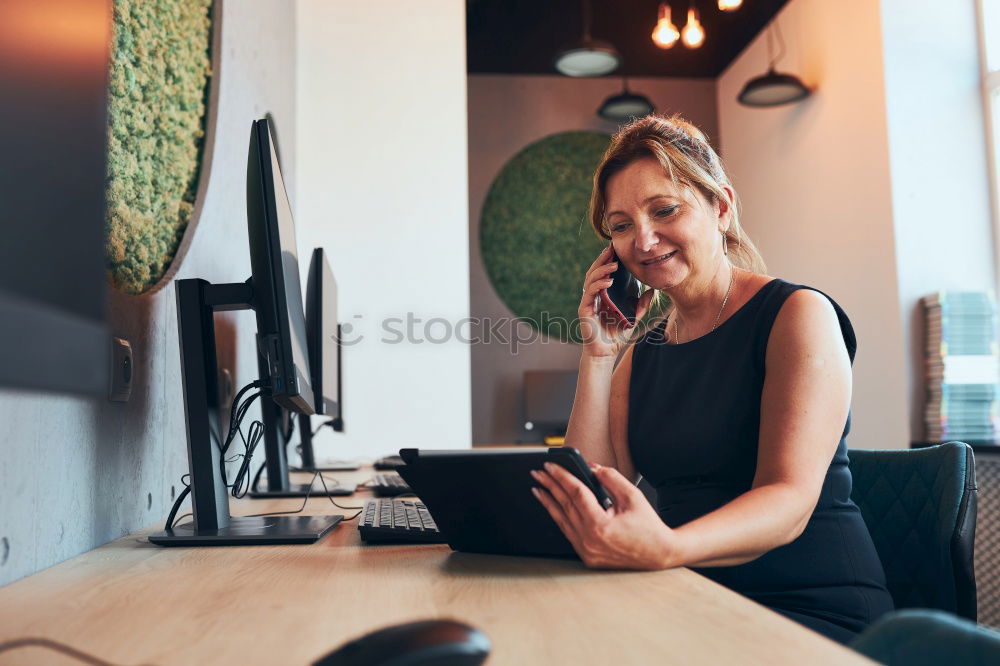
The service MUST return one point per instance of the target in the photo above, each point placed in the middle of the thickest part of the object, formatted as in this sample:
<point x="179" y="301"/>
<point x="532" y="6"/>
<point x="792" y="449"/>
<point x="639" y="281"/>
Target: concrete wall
<point x="506" y="113"/>
<point x="78" y="472"/>
<point x="383" y="188"/>
<point x="817" y="190"/>
<point x="938" y="162"/>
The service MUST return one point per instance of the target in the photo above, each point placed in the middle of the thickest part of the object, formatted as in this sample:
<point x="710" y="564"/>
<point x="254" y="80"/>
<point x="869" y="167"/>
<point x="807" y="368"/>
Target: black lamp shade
<point x="589" y="57"/>
<point x="625" y="106"/>
<point x="773" y="89"/>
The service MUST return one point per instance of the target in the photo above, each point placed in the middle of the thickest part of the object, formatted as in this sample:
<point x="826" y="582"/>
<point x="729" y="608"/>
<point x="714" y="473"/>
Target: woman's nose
<point x="645" y="237"/>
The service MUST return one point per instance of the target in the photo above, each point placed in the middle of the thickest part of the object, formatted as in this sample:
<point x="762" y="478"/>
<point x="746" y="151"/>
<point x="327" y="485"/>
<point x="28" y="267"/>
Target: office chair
<point x="920" y="507"/>
<point x="928" y="638"/>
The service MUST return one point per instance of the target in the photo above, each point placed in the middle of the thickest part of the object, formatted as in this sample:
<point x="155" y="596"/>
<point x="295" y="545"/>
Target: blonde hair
<point x="689" y="160"/>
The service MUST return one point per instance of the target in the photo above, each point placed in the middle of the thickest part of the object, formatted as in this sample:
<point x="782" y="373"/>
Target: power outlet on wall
<point x="122" y="370"/>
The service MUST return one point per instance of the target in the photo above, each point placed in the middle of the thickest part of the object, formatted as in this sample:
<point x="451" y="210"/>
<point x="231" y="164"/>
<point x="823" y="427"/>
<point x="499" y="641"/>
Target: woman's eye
<point x="618" y="228"/>
<point x="664" y="212"/>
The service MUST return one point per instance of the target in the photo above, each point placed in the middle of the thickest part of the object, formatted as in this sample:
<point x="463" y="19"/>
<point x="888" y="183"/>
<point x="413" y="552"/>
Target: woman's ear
<point x="725" y="208"/>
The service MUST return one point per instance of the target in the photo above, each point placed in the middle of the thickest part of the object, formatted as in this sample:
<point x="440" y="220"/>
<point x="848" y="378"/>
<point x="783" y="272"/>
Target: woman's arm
<point x="588" y="426"/>
<point x="804" y="405"/>
<point x="598" y="424"/>
<point x="591" y="428"/>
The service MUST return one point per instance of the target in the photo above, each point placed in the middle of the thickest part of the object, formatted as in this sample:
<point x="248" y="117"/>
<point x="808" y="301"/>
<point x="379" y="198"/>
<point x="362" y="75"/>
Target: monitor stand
<point x="212" y="524"/>
<point x="308" y="454"/>
<point x="275" y="447"/>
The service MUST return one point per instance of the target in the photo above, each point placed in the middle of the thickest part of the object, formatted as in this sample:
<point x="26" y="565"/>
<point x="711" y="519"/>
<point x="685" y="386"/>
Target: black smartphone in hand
<point x="622" y="297"/>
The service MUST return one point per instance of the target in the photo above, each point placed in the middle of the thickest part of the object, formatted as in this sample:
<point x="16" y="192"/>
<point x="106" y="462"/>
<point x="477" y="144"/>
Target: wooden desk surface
<point x="131" y="602"/>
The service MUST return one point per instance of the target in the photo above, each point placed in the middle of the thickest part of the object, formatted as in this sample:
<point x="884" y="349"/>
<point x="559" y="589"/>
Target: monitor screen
<point x="548" y="396"/>
<point x="281" y="326"/>
<point x="53" y="138"/>
<point x="324" y="347"/>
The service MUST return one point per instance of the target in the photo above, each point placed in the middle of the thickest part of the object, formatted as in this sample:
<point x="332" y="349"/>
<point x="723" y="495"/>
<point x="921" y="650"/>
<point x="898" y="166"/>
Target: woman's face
<point x="663" y="232"/>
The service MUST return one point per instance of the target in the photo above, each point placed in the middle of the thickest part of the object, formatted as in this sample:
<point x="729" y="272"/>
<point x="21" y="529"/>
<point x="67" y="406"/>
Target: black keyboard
<point x="389" y="462"/>
<point x="399" y="520"/>
<point x="388" y="484"/>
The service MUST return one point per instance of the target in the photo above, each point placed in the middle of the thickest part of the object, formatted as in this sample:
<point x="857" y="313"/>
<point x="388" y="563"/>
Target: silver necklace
<point x="732" y="279"/>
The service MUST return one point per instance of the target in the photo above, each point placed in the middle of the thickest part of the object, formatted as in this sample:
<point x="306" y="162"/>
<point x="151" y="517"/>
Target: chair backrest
<point x="928" y="638"/>
<point x="920" y="507"/>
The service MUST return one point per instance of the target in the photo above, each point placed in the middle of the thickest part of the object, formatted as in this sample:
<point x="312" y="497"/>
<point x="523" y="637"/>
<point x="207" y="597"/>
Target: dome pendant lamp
<point x="588" y="57"/>
<point x="773" y="88"/>
<point x="625" y="105"/>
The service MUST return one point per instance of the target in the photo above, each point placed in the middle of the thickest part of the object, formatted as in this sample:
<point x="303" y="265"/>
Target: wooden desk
<point x="130" y="602"/>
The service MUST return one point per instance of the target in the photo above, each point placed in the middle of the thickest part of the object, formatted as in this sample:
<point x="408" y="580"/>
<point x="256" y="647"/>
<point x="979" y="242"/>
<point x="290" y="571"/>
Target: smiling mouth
<point x="659" y="260"/>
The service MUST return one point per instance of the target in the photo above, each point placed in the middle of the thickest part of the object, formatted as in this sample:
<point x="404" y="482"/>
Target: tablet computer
<point x="481" y="499"/>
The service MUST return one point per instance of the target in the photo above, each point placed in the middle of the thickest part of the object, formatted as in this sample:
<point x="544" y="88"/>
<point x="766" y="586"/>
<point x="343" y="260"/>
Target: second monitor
<point x="323" y="345"/>
<point x="324" y="335"/>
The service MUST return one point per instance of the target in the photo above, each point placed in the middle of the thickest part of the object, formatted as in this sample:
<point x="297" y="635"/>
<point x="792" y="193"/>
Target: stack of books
<point x="963" y="367"/>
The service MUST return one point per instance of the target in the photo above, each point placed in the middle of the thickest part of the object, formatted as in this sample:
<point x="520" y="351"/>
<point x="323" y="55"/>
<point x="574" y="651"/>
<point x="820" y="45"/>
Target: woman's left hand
<point x="629" y="535"/>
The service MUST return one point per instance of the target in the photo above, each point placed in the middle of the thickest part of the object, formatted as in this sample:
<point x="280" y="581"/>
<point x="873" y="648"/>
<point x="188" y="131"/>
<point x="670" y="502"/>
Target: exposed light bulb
<point x="730" y="5"/>
<point x="665" y="34"/>
<point x="693" y="35"/>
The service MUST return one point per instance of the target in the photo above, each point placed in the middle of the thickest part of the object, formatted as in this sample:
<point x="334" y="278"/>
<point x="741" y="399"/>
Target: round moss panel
<point x="160" y="69"/>
<point x="535" y="238"/>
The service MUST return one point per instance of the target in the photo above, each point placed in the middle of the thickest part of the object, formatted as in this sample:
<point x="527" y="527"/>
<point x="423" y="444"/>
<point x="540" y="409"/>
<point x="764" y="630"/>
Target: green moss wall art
<point x="534" y="234"/>
<point x="157" y="113"/>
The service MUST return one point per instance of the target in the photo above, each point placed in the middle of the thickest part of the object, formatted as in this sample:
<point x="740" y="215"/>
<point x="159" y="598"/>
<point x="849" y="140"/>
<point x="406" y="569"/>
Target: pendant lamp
<point x="588" y="57"/>
<point x="625" y="105"/>
<point x="773" y="88"/>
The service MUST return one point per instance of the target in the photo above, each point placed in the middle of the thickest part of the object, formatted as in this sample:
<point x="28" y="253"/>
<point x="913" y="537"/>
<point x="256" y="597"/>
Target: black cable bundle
<point x="237" y="414"/>
<point x="328" y="422"/>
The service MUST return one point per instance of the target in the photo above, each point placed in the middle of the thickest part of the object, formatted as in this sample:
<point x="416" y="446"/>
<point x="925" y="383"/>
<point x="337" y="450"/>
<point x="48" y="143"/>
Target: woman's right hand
<point x="602" y="334"/>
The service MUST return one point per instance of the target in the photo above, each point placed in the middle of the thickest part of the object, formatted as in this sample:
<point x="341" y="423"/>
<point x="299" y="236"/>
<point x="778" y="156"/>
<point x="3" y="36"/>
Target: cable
<point x="241" y="484"/>
<point x="285" y="513"/>
<point x="350" y="508"/>
<point x="256" y="477"/>
<point x="178" y="519"/>
<point x="237" y="413"/>
<point x="177" y="504"/>
<point x="55" y="646"/>
<point x="305" y="500"/>
<point x="291" y="425"/>
<point x="322" y="425"/>
<point x="330" y="479"/>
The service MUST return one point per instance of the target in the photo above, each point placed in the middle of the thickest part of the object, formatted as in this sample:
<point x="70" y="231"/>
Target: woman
<point x="735" y="405"/>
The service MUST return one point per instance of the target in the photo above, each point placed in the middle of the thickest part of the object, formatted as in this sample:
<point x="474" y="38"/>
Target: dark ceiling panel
<point x="523" y="36"/>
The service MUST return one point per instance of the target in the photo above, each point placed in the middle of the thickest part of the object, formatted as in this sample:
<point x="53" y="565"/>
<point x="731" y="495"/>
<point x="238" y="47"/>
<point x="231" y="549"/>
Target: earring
<point x="725" y="244"/>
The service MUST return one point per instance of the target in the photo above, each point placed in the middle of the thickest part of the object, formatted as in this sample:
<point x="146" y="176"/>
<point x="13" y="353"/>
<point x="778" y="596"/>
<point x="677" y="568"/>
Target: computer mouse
<point x="424" y="643"/>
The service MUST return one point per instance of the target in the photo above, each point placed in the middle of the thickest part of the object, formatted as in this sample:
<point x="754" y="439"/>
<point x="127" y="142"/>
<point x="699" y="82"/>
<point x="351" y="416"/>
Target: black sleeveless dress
<point x="693" y="426"/>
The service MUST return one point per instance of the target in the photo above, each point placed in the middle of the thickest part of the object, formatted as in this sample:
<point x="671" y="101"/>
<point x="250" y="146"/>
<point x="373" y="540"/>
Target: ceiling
<point x="523" y="36"/>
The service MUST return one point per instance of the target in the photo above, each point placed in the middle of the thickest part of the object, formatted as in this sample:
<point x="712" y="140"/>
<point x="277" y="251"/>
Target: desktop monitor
<point x="324" y="353"/>
<point x="323" y="335"/>
<point x="281" y="326"/>
<point x="53" y="139"/>
<point x="548" y="400"/>
<point x="281" y="322"/>
<point x="274" y="293"/>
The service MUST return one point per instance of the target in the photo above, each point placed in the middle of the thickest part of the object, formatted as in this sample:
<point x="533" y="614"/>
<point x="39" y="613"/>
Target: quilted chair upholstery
<point x="928" y="638"/>
<point x="920" y="507"/>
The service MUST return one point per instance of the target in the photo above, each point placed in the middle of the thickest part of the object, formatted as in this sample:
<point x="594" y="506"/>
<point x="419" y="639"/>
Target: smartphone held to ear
<point x="620" y="300"/>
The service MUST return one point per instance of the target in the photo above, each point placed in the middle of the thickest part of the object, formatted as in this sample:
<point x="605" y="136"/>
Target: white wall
<point x="817" y="191"/>
<point x="382" y="163"/>
<point x="938" y="160"/>
<point x="79" y="472"/>
<point x="506" y="114"/>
